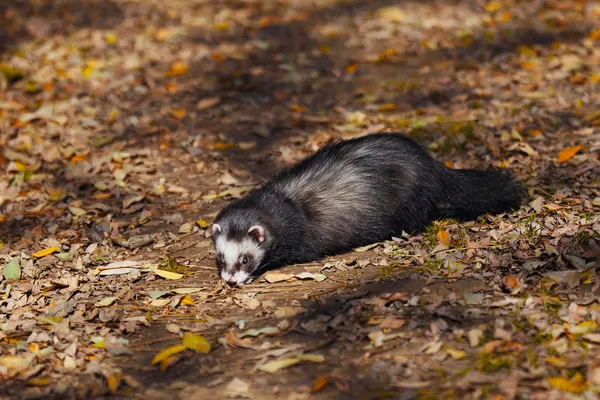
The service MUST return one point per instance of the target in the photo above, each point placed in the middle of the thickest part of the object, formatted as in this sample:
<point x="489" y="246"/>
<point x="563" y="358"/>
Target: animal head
<point x="239" y="252"/>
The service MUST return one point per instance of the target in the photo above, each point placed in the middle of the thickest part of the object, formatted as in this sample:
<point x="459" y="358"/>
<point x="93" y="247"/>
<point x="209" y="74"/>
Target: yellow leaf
<point x="316" y="358"/>
<point x="114" y="113"/>
<point x="38" y="382"/>
<point x="177" y="68"/>
<point x="324" y="49"/>
<point x="187" y="301"/>
<point x="351" y="68"/>
<point x="202" y="223"/>
<point x="595" y="35"/>
<point x="387" y="107"/>
<point x="392" y="13"/>
<point x="505" y="16"/>
<point x="274" y="366"/>
<point x="45" y="252"/>
<point x="583" y="327"/>
<point x="87" y="71"/>
<point x="110" y="38"/>
<point x="389" y="52"/>
<point x="577" y="384"/>
<point x="196" y="342"/>
<point x="95" y="63"/>
<point x="221" y="26"/>
<point x="162" y="34"/>
<point x="526" y="51"/>
<point x="168" y="352"/>
<point x="113" y="382"/>
<point x="168" y="274"/>
<point x="77" y="158"/>
<point x="297" y="108"/>
<point x="556" y="362"/>
<point x="20" y="166"/>
<point x="493" y="6"/>
<point x="444" y="237"/>
<point x="568" y="153"/>
<point x="177" y="113"/>
<point x="456" y="354"/>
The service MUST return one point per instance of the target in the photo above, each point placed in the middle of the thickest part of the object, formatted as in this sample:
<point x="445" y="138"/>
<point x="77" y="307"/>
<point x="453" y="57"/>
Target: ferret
<point x="350" y="194"/>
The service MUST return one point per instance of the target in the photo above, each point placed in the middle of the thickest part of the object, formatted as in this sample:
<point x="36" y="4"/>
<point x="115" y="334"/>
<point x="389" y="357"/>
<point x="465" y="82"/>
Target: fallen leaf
<point x="474" y="336"/>
<point x="592" y="337"/>
<point x="107" y="301"/>
<point x="12" y="270"/>
<point x="568" y="153"/>
<point x="511" y="282"/>
<point x="309" y="275"/>
<point x="577" y="384"/>
<point x="207" y="102"/>
<point x="392" y="13"/>
<point x="319" y="383"/>
<point x="44" y="252"/>
<point x="444" y="237"/>
<point x="237" y="387"/>
<point x="269" y="330"/>
<point x="196" y="343"/>
<point x="177" y="68"/>
<point x="168" y="274"/>
<point x="168" y="352"/>
<point x="456" y="354"/>
<point x="274" y="277"/>
<point x="594" y="35"/>
<point x="316" y="358"/>
<point x="113" y="381"/>
<point x="277" y="365"/>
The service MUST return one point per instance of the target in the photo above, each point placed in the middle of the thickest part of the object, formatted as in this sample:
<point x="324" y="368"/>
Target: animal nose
<point x="231" y="282"/>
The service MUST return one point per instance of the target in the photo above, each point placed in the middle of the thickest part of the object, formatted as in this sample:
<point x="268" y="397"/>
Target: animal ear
<point x="257" y="232"/>
<point x="216" y="228"/>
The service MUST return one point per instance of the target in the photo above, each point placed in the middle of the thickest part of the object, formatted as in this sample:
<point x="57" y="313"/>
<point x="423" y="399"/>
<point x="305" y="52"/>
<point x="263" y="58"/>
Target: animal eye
<point x="245" y="260"/>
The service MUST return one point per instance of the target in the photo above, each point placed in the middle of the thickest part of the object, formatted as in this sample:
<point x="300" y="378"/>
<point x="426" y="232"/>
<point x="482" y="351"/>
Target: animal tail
<point x="470" y="193"/>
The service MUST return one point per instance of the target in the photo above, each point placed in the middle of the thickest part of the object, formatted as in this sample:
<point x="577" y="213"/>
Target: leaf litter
<point x="120" y="142"/>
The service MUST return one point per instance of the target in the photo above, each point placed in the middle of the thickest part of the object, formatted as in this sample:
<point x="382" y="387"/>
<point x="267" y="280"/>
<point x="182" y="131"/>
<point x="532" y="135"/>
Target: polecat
<point x="346" y="195"/>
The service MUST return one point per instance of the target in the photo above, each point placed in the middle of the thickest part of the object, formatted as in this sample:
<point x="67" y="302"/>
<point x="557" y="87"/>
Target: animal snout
<point x="231" y="282"/>
<point x="235" y="279"/>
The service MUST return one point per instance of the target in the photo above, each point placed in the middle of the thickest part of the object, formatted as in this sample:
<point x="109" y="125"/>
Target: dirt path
<point x="126" y="125"/>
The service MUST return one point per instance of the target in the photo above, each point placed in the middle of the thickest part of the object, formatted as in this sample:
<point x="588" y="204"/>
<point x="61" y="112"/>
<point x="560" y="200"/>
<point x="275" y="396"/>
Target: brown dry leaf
<point x="207" y="103"/>
<point x="568" y="153"/>
<point x="510" y="281"/>
<point x="274" y="277"/>
<point x="392" y="322"/>
<point x="501" y="346"/>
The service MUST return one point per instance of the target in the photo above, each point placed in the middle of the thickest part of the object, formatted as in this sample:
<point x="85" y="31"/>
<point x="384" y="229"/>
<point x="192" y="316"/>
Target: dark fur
<point x="406" y="189"/>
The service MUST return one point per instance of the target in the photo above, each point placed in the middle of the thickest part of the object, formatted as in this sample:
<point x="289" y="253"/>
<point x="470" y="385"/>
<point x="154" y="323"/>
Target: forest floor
<point x="126" y="125"/>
